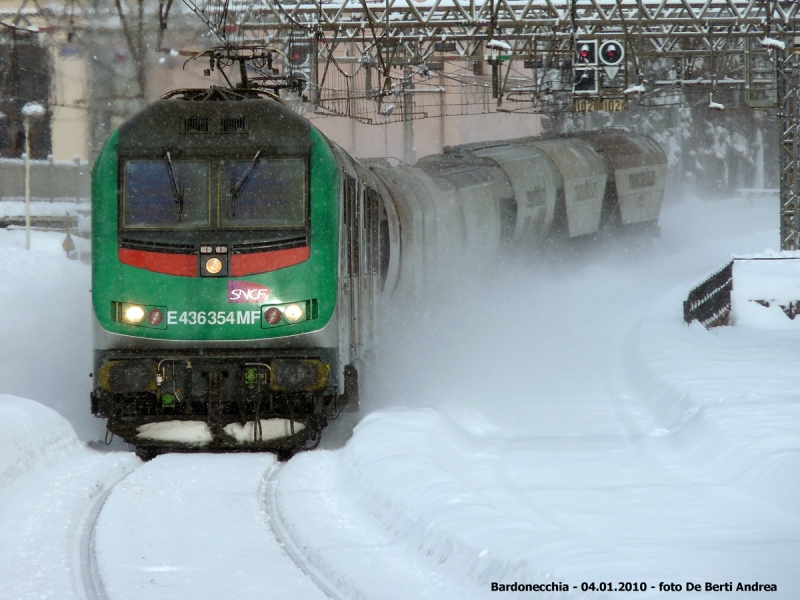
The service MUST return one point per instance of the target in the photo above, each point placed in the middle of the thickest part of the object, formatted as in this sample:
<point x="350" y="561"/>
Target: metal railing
<point x="710" y="302"/>
<point x="51" y="181"/>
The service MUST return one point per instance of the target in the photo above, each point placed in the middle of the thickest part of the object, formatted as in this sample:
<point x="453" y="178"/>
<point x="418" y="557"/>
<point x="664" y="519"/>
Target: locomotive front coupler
<point x="134" y="389"/>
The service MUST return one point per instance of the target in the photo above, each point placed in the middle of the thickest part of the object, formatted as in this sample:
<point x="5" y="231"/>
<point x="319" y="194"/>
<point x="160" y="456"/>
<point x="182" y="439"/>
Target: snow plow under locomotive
<point x="240" y="257"/>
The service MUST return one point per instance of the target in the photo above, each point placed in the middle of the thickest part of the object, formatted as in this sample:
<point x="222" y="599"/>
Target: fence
<point x="60" y="195"/>
<point x="710" y="302"/>
<point x="51" y="181"/>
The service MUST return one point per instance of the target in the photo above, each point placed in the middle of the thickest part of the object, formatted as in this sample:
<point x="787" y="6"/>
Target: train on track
<point x="240" y="257"/>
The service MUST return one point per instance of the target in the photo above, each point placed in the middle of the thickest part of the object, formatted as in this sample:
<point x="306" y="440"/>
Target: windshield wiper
<point x="177" y="188"/>
<point x="235" y="189"/>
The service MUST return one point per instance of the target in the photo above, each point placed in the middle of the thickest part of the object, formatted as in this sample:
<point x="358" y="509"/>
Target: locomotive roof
<point x="215" y="128"/>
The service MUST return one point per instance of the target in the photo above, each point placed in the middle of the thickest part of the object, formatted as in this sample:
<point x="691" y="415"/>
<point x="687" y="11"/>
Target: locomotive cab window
<point x="166" y="194"/>
<point x="264" y="193"/>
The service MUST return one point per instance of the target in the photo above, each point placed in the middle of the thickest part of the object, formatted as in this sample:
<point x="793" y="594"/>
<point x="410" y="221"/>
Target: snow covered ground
<point x="555" y="422"/>
<point x="51" y="489"/>
<point x="45" y="326"/>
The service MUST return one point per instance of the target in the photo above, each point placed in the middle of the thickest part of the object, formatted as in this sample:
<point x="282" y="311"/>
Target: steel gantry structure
<point x="363" y="58"/>
<point x="545" y="55"/>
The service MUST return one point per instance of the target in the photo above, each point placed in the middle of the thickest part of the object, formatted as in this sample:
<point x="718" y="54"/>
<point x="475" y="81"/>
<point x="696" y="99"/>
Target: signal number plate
<point x="586" y="105"/>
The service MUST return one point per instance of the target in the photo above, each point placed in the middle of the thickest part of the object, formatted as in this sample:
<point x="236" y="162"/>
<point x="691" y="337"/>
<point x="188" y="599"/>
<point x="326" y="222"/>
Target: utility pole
<point x="787" y="81"/>
<point x="409" y="153"/>
<point x="31" y="110"/>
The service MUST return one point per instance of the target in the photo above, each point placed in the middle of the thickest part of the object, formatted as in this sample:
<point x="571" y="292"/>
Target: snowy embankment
<point x="568" y="427"/>
<point x="46" y="326"/>
<point x="49" y="486"/>
<point x="556" y="423"/>
<point x="727" y="397"/>
<point x="30" y="433"/>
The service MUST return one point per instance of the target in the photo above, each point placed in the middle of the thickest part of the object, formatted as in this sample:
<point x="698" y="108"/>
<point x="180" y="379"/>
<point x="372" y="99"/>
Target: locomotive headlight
<point x="214" y="265"/>
<point x="140" y="315"/>
<point x="290" y="313"/>
<point x="134" y="314"/>
<point x="293" y="313"/>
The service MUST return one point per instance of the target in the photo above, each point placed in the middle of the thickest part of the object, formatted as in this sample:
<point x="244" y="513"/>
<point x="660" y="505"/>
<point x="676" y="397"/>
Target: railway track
<point x="89" y="585"/>
<point x="192" y="523"/>
<point x="282" y="534"/>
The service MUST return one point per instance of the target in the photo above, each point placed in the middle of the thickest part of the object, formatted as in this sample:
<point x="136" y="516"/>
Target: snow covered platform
<point x="764" y="285"/>
<point x="750" y="289"/>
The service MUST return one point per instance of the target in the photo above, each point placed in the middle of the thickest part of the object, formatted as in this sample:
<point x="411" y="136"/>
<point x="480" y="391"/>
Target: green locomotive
<point x="239" y="256"/>
<point x="219" y="248"/>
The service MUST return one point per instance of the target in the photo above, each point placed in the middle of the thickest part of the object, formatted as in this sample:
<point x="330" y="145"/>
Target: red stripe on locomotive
<point x="263" y="262"/>
<point x="185" y="265"/>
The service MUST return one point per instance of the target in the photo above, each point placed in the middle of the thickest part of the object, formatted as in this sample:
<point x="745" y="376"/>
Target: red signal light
<point x="299" y="54"/>
<point x="273" y="316"/>
<point x="611" y="53"/>
<point x="586" y="52"/>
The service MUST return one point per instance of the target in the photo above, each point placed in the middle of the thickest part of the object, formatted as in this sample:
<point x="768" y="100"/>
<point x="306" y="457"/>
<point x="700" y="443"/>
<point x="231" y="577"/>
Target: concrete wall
<point x="431" y="135"/>
<point x="70" y="105"/>
<point x="50" y="180"/>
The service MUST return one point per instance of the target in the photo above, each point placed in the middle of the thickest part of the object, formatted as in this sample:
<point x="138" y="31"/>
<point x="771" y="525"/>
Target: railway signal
<point x="587" y="52"/>
<point x="585" y="67"/>
<point x="612" y="53"/>
<point x="301" y="59"/>
<point x="299" y="54"/>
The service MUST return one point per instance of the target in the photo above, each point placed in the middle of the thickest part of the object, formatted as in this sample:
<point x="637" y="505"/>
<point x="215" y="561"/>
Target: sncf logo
<point x="246" y="292"/>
